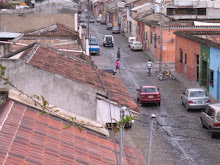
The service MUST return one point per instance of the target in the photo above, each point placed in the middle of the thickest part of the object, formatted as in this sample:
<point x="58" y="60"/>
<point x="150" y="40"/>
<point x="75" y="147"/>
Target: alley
<point x="179" y="137"/>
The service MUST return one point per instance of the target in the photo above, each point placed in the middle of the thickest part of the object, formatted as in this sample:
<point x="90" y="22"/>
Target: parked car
<point x="82" y="20"/>
<point x="99" y="19"/>
<point x="210" y="118"/>
<point x="148" y="94"/>
<point x="109" y="26"/>
<point x="94" y="48"/>
<point x="92" y="39"/>
<point x="92" y="20"/>
<point x="108" y="40"/>
<point x="136" y="45"/>
<point x="195" y="98"/>
<point x="83" y="24"/>
<point x="115" y="30"/>
<point x="102" y="22"/>
<point x="131" y="40"/>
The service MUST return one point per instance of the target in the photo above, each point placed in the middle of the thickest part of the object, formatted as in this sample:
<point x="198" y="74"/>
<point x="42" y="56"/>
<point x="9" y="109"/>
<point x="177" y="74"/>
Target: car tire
<point x="182" y="101"/>
<point x="202" y="123"/>
<point x="187" y="108"/>
<point x="158" y="104"/>
<point x="213" y="134"/>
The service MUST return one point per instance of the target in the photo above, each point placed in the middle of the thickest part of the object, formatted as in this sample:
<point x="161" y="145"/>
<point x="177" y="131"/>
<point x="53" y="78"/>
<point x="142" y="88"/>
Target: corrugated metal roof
<point x="9" y="35"/>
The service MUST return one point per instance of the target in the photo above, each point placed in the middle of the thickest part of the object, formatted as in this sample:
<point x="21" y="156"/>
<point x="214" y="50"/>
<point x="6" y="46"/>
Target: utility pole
<point x="152" y="116"/>
<point x="122" y="111"/>
<point x="161" y="37"/>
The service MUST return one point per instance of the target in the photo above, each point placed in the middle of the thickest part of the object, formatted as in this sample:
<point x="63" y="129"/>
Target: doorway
<point x="185" y="66"/>
<point x="204" y="74"/>
<point x="197" y="68"/>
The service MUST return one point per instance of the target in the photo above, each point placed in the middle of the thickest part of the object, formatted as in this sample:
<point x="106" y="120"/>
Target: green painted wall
<point x="204" y="65"/>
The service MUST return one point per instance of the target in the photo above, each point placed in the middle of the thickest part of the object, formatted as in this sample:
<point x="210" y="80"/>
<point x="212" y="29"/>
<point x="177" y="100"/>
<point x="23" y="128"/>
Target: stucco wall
<point x="61" y="92"/>
<point x="26" y="22"/>
<point x="214" y="65"/>
<point x="191" y="48"/>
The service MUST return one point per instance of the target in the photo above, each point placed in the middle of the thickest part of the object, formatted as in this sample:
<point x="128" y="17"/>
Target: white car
<point x="108" y="41"/>
<point x="99" y="19"/>
<point x="136" y="45"/>
<point x="210" y="118"/>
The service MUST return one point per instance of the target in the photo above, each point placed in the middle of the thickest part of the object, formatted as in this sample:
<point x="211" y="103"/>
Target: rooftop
<point x="210" y="38"/>
<point x="73" y="68"/>
<point x="27" y="137"/>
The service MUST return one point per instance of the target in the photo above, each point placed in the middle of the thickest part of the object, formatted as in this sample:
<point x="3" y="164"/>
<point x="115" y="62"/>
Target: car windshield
<point x="218" y="116"/>
<point x="115" y="28"/>
<point x="149" y="90"/>
<point x="137" y="43"/>
<point x="197" y="94"/>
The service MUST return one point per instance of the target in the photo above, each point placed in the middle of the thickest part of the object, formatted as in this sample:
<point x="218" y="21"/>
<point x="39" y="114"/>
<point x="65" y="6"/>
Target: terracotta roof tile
<point x="46" y="145"/>
<point x="204" y="37"/>
<point x="82" y="72"/>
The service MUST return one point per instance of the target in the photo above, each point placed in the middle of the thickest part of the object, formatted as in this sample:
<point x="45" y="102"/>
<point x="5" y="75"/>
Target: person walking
<point x="118" y="54"/>
<point x="149" y="67"/>
<point x="117" y="66"/>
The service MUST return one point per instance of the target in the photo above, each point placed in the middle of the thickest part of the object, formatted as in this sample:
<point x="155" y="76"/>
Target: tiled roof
<point x="54" y="61"/>
<point x="53" y="30"/>
<point x="27" y="137"/>
<point x="210" y="38"/>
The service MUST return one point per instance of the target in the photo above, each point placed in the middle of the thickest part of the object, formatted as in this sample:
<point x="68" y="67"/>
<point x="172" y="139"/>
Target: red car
<point x="102" y="22"/>
<point x="148" y="94"/>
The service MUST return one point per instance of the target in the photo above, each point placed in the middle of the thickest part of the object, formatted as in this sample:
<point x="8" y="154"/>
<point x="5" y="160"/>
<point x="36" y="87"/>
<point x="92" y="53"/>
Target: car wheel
<point x="202" y="123"/>
<point x="213" y="134"/>
<point x="158" y="104"/>
<point x="137" y="99"/>
<point x="182" y="101"/>
<point x="187" y="108"/>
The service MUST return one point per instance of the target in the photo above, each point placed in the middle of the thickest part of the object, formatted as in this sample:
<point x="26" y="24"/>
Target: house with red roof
<point x="27" y="137"/>
<point x="68" y="82"/>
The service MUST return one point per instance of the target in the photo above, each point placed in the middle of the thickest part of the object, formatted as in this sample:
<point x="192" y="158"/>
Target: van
<point x="210" y="118"/>
<point x="108" y="40"/>
<point x="130" y="40"/>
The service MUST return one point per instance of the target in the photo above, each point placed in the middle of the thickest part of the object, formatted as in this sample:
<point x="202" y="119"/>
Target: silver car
<point x="195" y="98"/>
<point x="210" y="118"/>
<point x="136" y="45"/>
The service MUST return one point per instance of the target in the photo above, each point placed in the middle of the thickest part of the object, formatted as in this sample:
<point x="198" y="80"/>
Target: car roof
<point x="108" y="36"/>
<point x="136" y="42"/>
<point x="195" y="89"/>
<point x="215" y="106"/>
<point x="149" y="86"/>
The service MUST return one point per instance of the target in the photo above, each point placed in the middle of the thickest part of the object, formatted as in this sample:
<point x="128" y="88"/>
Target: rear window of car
<point x="137" y="43"/>
<point x="197" y="94"/>
<point x="149" y="90"/>
<point x="218" y="116"/>
<point x="108" y="38"/>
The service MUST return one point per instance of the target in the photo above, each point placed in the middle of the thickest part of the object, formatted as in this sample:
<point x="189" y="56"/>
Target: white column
<point x="76" y="21"/>
<point x="87" y="46"/>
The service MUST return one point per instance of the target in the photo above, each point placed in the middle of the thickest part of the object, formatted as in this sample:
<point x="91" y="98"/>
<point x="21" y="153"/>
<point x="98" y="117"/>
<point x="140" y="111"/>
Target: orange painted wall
<point x="191" y="48"/>
<point x="168" y="46"/>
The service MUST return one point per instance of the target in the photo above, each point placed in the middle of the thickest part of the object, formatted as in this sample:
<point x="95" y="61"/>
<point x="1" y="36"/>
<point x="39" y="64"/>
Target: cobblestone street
<point x="180" y="140"/>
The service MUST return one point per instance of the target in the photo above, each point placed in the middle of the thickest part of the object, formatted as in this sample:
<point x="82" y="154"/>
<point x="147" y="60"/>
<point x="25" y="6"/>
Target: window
<point x="146" y="36"/>
<point x="181" y="56"/>
<point x="201" y="11"/>
<point x="155" y="40"/>
<point x="210" y="113"/>
<point x="185" y="58"/>
<point x="218" y="116"/>
<point x="170" y="11"/>
<point x="151" y="37"/>
<point x="211" y="77"/>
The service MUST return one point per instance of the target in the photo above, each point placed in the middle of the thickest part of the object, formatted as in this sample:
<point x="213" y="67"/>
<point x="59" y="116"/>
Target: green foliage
<point x="66" y="126"/>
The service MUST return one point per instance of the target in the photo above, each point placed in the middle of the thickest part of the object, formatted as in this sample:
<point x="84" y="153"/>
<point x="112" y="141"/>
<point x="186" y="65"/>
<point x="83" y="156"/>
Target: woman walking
<point x="117" y="66"/>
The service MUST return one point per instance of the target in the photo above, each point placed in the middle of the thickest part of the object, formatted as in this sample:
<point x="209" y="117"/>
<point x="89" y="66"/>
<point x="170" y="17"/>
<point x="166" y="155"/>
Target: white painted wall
<point x="105" y="112"/>
<point x="57" y="90"/>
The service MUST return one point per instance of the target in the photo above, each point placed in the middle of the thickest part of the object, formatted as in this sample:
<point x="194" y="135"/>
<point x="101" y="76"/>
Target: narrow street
<point x="180" y="140"/>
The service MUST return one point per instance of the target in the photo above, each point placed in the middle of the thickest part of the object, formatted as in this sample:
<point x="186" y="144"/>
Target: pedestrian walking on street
<point x="118" y="54"/>
<point x="117" y="66"/>
<point x="149" y="67"/>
